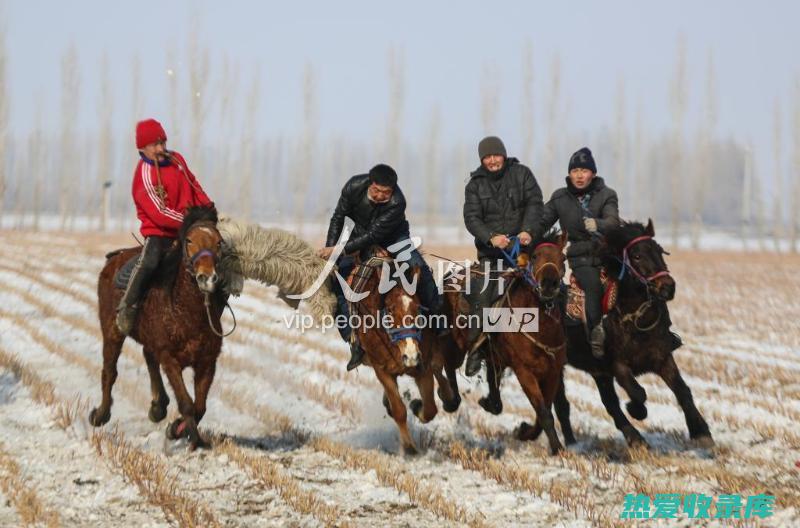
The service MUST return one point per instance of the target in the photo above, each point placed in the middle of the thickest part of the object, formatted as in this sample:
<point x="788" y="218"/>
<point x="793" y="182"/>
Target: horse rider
<point x="377" y="207"/>
<point x="585" y="208"/>
<point x="501" y="199"/>
<point x="163" y="188"/>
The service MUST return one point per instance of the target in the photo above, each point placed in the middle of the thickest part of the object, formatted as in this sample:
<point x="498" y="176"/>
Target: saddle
<point x="123" y="274"/>
<point x="576" y="297"/>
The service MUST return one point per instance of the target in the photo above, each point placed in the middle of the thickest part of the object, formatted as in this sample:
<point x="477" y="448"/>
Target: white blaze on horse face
<point x="409" y="350"/>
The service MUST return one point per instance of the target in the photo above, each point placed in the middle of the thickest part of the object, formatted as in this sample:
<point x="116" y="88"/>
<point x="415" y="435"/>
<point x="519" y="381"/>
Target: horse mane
<point x="194" y="215"/>
<point x="550" y="237"/>
<point x="616" y="239"/>
<point x="276" y="258"/>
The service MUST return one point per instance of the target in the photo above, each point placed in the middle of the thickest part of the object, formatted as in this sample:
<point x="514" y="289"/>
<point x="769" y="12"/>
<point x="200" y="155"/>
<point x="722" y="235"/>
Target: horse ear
<point x="562" y="241"/>
<point x="650" y="230"/>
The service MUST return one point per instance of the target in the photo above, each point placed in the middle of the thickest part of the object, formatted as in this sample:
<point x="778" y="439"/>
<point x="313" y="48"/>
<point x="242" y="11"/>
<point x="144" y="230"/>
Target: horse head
<point x="548" y="268"/>
<point x="632" y="249"/>
<point x="201" y="246"/>
<point x="401" y="307"/>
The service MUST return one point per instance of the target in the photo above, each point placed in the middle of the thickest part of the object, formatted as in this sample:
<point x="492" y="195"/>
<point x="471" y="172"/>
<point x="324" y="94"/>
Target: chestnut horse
<point x="638" y="339"/>
<point x="537" y="359"/>
<point x="400" y="347"/>
<point x="177" y="324"/>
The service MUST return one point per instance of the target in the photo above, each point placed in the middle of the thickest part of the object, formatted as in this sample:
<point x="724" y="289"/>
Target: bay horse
<point x="638" y="339"/>
<point x="177" y="324"/>
<point x="537" y="359"/>
<point x="397" y="345"/>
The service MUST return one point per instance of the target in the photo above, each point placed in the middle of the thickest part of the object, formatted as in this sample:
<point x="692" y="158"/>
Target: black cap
<point x="491" y="145"/>
<point x="582" y="159"/>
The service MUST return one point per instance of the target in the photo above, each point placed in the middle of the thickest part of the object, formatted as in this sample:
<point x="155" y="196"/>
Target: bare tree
<point x="3" y="118"/>
<point x="223" y="169"/>
<point x="527" y="106"/>
<point x="794" y="210"/>
<point x="105" y="154"/>
<point x="38" y="154"/>
<point x="248" y="143"/>
<point x="621" y="143"/>
<point x="678" y="104"/>
<point x="703" y="158"/>
<point x="551" y="106"/>
<point x="779" y="187"/>
<point x="640" y="201"/>
<point x="490" y="95"/>
<point x="307" y="146"/>
<point x="394" y="125"/>
<point x="199" y="69"/>
<point x="431" y="170"/>
<point x="67" y="171"/>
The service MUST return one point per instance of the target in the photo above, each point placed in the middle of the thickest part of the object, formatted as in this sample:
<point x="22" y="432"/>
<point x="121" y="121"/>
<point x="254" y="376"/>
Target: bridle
<point x="626" y="263"/>
<point x="190" y="262"/>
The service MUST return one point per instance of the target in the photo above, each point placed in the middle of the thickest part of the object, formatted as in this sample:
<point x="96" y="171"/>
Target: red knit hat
<point x="149" y="131"/>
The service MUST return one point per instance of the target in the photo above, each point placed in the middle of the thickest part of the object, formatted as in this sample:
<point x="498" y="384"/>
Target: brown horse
<point x="536" y="359"/>
<point x="177" y="324"/>
<point x="397" y="345"/>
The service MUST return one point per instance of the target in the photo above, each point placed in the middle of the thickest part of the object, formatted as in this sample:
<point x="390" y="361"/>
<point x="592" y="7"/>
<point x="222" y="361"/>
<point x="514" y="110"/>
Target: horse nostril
<point x="202" y="277"/>
<point x="214" y="278"/>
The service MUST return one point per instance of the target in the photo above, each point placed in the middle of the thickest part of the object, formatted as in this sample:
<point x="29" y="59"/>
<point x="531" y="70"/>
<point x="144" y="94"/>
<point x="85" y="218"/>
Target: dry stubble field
<point x="298" y="441"/>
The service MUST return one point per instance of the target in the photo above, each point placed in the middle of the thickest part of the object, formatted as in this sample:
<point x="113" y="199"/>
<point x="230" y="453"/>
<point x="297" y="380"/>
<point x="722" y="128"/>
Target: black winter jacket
<point x="380" y="224"/>
<point x="506" y="202"/>
<point x="565" y="207"/>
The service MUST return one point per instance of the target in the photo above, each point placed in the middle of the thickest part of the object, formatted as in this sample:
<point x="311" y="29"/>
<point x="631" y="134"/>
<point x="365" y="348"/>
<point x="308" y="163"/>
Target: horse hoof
<point x="97" y="420"/>
<point x="528" y="432"/>
<point x="157" y="413"/>
<point x="416" y="408"/>
<point x="556" y="449"/>
<point x="570" y="440"/>
<point x="410" y="450"/>
<point x="175" y="429"/>
<point x="637" y="441"/>
<point x="452" y="405"/>
<point x="704" y="442"/>
<point x="491" y="406"/>
<point x="637" y="410"/>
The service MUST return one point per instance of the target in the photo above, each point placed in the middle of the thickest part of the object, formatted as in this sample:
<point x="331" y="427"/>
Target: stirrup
<point x="356" y="355"/>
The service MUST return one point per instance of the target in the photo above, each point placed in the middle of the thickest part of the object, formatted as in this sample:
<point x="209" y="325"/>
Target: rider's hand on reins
<point x="500" y="241"/>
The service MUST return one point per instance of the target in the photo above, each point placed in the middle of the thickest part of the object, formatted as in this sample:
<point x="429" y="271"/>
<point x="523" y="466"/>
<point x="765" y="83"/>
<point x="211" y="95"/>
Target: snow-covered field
<point x="298" y="441"/>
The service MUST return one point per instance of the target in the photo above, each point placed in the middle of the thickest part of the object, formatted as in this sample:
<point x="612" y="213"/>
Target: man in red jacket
<point x="163" y="188"/>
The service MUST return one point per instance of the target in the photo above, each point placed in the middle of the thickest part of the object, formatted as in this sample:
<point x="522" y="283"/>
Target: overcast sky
<point x="448" y="48"/>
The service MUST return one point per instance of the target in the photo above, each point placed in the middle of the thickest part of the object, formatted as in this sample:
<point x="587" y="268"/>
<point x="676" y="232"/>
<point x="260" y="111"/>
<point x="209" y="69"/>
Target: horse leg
<point x="605" y="384"/>
<point x="698" y="428"/>
<point x="186" y="424"/>
<point x="111" y="350"/>
<point x="492" y="403"/>
<point x="398" y="409"/>
<point x="636" y="407"/>
<point x="561" y="405"/>
<point x="424" y="409"/>
<point x="203" y="377"/>
<point x="450" y="399"/>
<point x="158" y="405"/>
<point x="544" y="414"/>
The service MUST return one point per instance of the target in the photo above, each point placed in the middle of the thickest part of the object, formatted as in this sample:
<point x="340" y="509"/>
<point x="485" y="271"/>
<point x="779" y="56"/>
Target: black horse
<point x="638" y="339"/>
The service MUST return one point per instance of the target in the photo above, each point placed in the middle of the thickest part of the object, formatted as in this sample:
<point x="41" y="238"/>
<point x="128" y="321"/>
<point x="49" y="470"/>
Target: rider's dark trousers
<point x="152" y="252"/>
<point x="589" y="279"/>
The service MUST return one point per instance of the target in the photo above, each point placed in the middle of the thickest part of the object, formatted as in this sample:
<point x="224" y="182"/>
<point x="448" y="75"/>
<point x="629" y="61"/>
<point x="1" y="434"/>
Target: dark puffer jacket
<point x="565" y="207"/>
<point x="381" y="224"/>
<point x="506" y="203"/>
